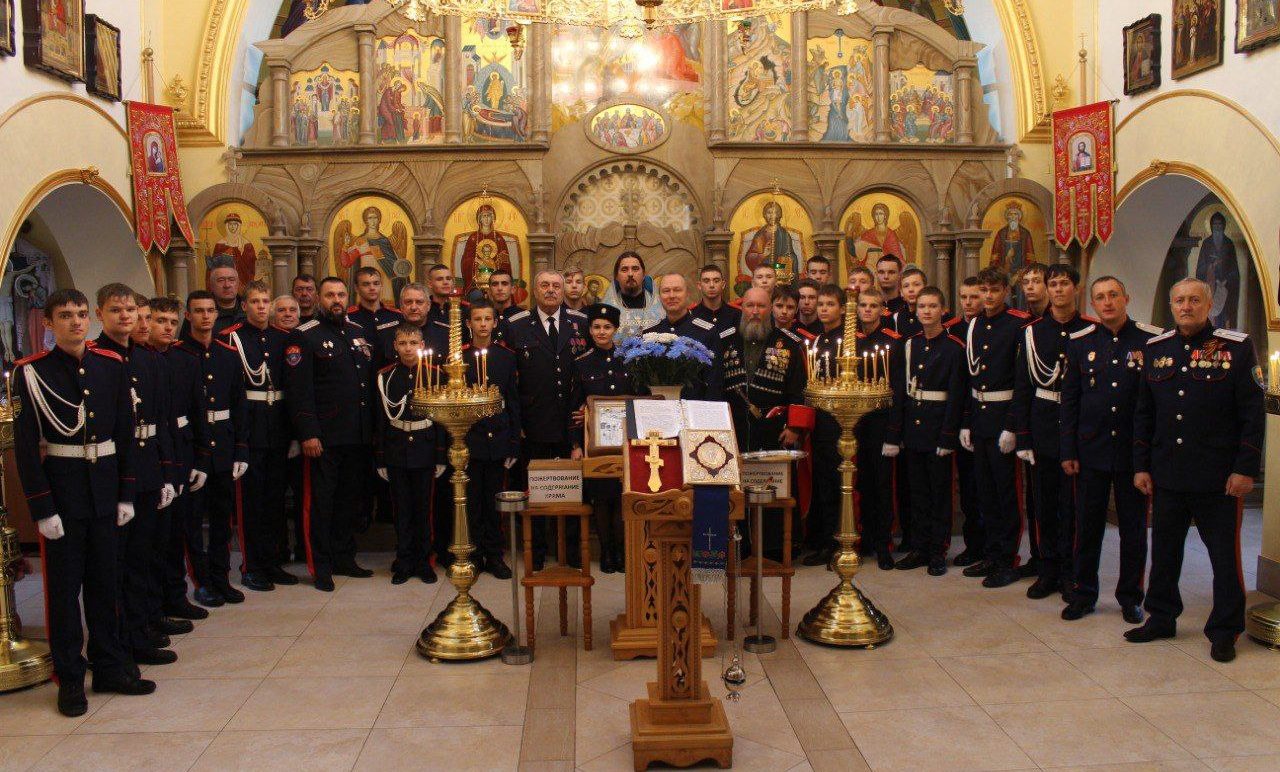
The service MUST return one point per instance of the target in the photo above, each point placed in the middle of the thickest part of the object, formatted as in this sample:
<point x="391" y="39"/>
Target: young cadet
<point x="974" y="535"/>
<point x="713" y="308"/>
<point x="1031" y="295"/>
<point x="824" y="509"/>
<point x="807" y="308"/>
<point x="904" y="321"/>
<point x="860" y="278"/>
<point x="226" y="453"/>
<point x="888" y="279"/>
<point x="1103" y="368"/>
<point x="1033" y="290"/>
<point x="1037" y="397"/>
<point x="409" y="453"/>
<point x="601" y="373"/>
<point x="187" y="430"/>
<point x="786" y="307"/>
<point x="72" y="443"/>
<point x="117" y="311"/>
<point x="260" y="492"/>
<point x="928" y="402"/>
<point x="501" y="295"/>
<point x="369" y="311"/>
<point x="818" y="270"/>
<point x="764" y="277"/>
<point x="494" y="442"/>
<point x="991" y="346"/>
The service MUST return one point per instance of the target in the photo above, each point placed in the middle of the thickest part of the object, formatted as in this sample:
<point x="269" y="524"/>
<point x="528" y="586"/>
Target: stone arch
<point x="1017" y="186"/>
<point x="277" y="217"/>
<point x="627" y="165"/>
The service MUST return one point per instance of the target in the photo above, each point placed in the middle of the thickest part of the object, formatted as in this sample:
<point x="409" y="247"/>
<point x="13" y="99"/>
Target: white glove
<point x="181" y="488"/>
<point x="440" y="470"/>
<point x="51" y="528"/>
<point x="889" y="451"/>
<point x="167" y="495"/>
<point x="510" y="462"/>
<point x="197" y="480"/>
<point x="294" y="449"/>
<point x="124" y="513"/>
<point x="944" y="452"/>
<point x="966" y="440"/>
<point x="1028" y="455"/>
<point x="1007" y="442"/>
<point x="382" y="472"/>
<point x="238" y="468"/>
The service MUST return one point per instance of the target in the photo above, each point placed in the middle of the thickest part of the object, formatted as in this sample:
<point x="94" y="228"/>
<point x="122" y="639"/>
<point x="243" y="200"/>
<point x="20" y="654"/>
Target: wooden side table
<point x="770" y="568"/>
<point x="560" y="576"/>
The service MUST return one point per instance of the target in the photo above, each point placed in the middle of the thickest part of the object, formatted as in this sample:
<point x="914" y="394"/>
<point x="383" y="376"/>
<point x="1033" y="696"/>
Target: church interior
<point x="485" y="136"/>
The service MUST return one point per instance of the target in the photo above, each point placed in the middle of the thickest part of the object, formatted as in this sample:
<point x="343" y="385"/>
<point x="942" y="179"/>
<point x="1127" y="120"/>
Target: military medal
<point x="1093" y="355"/>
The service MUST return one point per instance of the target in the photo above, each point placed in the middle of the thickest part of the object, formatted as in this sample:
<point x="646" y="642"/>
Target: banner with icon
<point x="1084" y="173"/>
<point x="157" y="185"/>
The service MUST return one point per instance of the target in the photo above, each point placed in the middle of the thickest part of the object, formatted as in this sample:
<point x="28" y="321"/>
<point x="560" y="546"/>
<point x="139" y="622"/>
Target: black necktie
<point x="551" y="328"/>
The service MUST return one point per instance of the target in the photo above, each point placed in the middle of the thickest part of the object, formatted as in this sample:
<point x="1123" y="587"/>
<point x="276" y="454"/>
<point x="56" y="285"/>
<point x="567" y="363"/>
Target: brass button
<point x="82" y="371"/>
<point x="1179" y="440"/>
<point x="91" y="414"/>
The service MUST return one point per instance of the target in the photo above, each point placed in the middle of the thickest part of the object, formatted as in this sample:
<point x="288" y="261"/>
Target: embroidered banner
<point x="1084" y="173"/>
<point x="157" y="185"/>
<point x="710" y="533"/>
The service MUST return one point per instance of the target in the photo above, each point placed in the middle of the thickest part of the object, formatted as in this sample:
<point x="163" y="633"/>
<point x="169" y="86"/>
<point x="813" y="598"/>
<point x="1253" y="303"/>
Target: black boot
<point x="71" y="700"/>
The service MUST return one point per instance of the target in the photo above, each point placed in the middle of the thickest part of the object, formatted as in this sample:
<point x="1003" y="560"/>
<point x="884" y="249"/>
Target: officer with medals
<point x="991" y="346"/>
<point x="72" y="444"/>
<point x="1037" y="397"/>
<point x="259" y="346"/>
<point x="1102" y="369"/>
<point x="327" y="379"/>
<point x="1197" y="442"/>
<point x="713" y="308"/>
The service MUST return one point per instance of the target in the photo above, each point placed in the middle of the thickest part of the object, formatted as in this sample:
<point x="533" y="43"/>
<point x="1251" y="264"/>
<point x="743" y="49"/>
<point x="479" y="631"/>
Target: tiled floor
<point x="974" y="679"/>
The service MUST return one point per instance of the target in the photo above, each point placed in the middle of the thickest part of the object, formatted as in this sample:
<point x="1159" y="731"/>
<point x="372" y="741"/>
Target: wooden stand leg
<point x="786" y="607"/>
<point x="564" y="611"/>
<point x="586" y="619"/>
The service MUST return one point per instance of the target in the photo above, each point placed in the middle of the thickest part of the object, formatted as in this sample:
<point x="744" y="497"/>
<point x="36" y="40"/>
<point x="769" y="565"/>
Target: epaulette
<point x="232" y="328"/>
<point x="278" y="327"/>
<point x="1032" y="322"/>
<point x="1162" y="336"/>
<point x="805" y="334"/>
<point x="886" y="312"/>
<point x="307" y="325"/>
<point x="1149" y="328"/>
<point x="575" y="312"/>
<point x="1018" y="312"/>
<point x="180" y="345"/>
<point x="502" y="344"/>
<point x="953" y="321"/>
<point x="390" y="324"/>
<point x="1090" y="319"/>
<point x="351" y="309"/>
<point x="518" y="316"/>
<point x="703" y="323"/>
<point x="694" y="306"/>
<point x="957" y="341"/>
<point x="728" y="331"/>
<point x="1083" y="331"/>
<point x="91" y="343"/>
<point x="466" y="346"/>
<point x="106" y="353"/>
<point x="891" y="333"/>
<point x="1231" y="335"/>
<point x="226" y="345"/>
<point x="33" y="358"/>
<point x="581" y="357"/>
<point x="789" y="334"/>
<point x="391" y="366"/>
<point x="390" y="307"/>
<point x="354" y="324"/>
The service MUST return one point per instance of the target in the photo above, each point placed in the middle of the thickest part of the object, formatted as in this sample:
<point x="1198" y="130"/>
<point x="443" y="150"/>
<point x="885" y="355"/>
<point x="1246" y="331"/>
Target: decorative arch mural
<point x="1009" y="246"/>
<point x="231" y="234"/>
<point x="481" y="235"/>
<point x="372" y="230"/>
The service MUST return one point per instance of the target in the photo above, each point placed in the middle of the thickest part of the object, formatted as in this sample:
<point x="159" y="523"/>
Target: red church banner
<point x="157" y="186"/>
<point x="1084" y="173"/>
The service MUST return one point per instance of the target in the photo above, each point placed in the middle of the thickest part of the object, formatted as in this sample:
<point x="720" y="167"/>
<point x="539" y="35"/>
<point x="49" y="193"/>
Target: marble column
<point x="368" y="92"/>
<point x="284" y="255"/>
<point x="542" y="248"/>
<point x="453" y="79"/>
<point x="965" y="76"/>
<point x="279" y="102"/>
<point x="944" y="244"/>
<point x="799" y="77"/>
<point x="969" y="249"/>
<point x="308" y="250"/>
<point x="540" y="48"/>
<point x="714" y="84"/>
<point x="717" y="242"/>
<point x="427" y="251"/>
<point x="178" y="264"/>
<point x="827" y="244"/>
<point x="880" y="37"/>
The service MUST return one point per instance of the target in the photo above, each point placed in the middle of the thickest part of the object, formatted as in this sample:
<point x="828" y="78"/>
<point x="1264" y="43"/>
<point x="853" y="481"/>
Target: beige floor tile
<point x="368" y="619"/>
<point x="995" y="634"/>
<point x="1270" y="695"/>
<point x="759" y="717"/>
<point x="1084" y="732"/>
<point x="602" y="724"/>
<point x="314" y="749"/>
<point x="178" y="705"/>
<point x="457" y="749"/>
<point x="256" y="619"/>
<point x="919" y="740"/>
<point x="34" y="711"/>
<point x="344" y="655"/>
<point x="817" y="726"/>
<point x="888" y="685"/>
<point x="1034" y="677"/>
<point x="378" y="590"/>
<point x="313" y="703"/>
<point x="21" y="753"/>
<point x="1255" y="667"/>
<point x="1185" y="765"/>
<point x="249" y="657"/>
<point x="1214" y="724"/>
<point x="1268" y="763"/>
<point x="1134" y="670"/>
<point x="627" y="682"/>
<point x="456" y="700"/>
<point x="547" y="766"/>
<point x="747" y="755"/>
<point x="845" y="760"/>
<point x="548" y="735"/>
<point x="127" y="752"/>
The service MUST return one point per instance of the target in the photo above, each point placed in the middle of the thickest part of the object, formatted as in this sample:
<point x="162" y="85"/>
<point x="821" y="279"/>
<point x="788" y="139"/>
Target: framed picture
<point x="1142" y="55"/>
<point x="606" y="424"/>
<point x="53" y="37"/>
<point x="1197" y="36"/>
<point x="1257" y="24"/>
<point x="102" y="58"/>
<point x="8" y="45"/>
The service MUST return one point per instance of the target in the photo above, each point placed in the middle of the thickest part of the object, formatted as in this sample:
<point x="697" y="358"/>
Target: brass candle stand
<point x="1262" y="623"/>
<point x="464" y="630"/>
<point x="22" y="663"/>
<point x="849" y="390"/>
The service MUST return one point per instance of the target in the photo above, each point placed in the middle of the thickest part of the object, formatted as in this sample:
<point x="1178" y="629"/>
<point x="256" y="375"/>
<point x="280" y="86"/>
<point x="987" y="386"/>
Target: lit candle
<point x="431" y="363"/>
<point x="865" y="370"/>
<point x="875" y="363"/>
<point x="1273" y="384"/>
<point x="885" y="354"/>
<point x="826" y="364"/>
<point x="419" y="371"/>
<point x="8" y="395"/>
<point x="485" y="362"/>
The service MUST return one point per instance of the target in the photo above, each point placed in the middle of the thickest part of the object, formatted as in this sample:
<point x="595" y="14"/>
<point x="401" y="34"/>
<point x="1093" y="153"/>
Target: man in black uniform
<point x="1037" y="397"/>
<point x="226" y="453"/>
<point x="501" y="287"/>
<point x="673" y="291"/>
<point x="304" y="291"/>
<point x="377" y="319"/>
<point x="824" y="507"/>
<point x="966" y="478"/>
<point x="328" y="382"/>
<point x="807" y="306"/>
<point x="888" y="280"/>
<point x="1197" y="442"/>
<point x="260" y="492"/>
<point x="546" y="340"/>
<point x="876" y="486"/>
<point x="818" y="270"/>
<point x="1103" y="366"/>
<point x="118" y="312"/>
<point x="436" y="326"/>
<point x="904" y="321"/>
<point x="991" y="347"/>
<point x="927" y="402"/>
<point x="713" y="308"/>
<point x="72" y="443"/>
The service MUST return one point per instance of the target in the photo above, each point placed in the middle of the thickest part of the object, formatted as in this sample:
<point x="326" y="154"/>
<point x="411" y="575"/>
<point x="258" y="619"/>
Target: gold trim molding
<point x="203" y="122"/>
<point x="1031" y="97"/>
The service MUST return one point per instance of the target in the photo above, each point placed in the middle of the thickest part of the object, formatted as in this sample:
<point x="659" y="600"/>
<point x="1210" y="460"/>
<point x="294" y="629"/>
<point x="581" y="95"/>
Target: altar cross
<point x="653" y="440"/>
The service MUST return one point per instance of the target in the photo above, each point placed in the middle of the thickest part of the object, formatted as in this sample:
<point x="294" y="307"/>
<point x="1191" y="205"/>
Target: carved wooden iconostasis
<point x="780" y="136"/>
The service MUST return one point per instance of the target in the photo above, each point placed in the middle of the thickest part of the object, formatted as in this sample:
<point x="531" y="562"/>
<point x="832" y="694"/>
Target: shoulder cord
<point x="38" y="389"/>
<point x="258" y="376"/>
<point x="968" y="349"/>
<point x="1044" y="377"/>
<point x="387" y="403"/>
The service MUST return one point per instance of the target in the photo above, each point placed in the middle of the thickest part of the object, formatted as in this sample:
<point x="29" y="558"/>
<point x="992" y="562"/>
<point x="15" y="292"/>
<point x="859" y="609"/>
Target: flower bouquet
<point x="663" y="359"/>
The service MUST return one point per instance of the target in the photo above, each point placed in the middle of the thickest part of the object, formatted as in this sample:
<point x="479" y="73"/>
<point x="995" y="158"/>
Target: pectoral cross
<point x="654" y="441"/>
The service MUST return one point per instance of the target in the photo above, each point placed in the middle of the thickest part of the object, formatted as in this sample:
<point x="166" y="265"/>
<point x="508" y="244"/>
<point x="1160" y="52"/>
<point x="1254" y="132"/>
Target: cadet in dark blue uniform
<point x="118" y="312"/>
<point x="673" y="292"/>
<point x="499" y="293"/>
<point x="260" y="492"/>
<point x="970" y="306"/>
<point x="713" y="308"/>
<point x="379" y="321"/>
<point x="904" y="320"/>
<point x="927" y="404"/>
<point x="991" y="345"/>
<point x="601" y="373"/>
<point x="824" y="507"/>
<point x="436" y="326"/>
<point x="1103" y="366"/>
<point x="494" y="442"/>
<point x="72" y="443"/>
<point x="328" y="382"/>
<point x="227" y="453"/>
<point x="409" y="450"/>
<point x="1042" y="352"/>
<point x="889" y="282"/>
<point x="546" y="340"/>
<point x="1197" y="442"/>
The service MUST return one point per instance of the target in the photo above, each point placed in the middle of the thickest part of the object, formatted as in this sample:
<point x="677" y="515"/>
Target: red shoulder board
<point x="278" y="327"/>
<point x="1018" y="312"/>
<point x="891" y="333"/>
<point x="958" y="342"/>
<point x="1031" y="323"/>
<point x="695" y="305"/>
<point x="502" y="344"/>
<point x="106" y="353"/>
<point x="466" y="346"/>
<point x="232" y="328"/>
<point x="1090" y="319"/>
<point x="388" y="368"/>
<point x="351" y="309"/>
<point x="91" y="343"/>
<point x="30" y="359"/>
<point x="737" y="304"/>
<point x="953" y="321"/>
<point x="226" y="345"/>
<point x="805" y="333"/>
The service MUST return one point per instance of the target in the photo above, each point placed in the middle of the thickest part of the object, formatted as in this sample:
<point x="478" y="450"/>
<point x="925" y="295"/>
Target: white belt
<point x="269" y="397"/>
<point x="1049" y="394"/>
<point x="91" y="452"/>
<point x="183" y="421"/>
<point x="409" y="426"/>
<point x="214" y="416"/>
<point x="144" y="431"/>
<point x="992" y="396"/>
<point x="929" y="396"/>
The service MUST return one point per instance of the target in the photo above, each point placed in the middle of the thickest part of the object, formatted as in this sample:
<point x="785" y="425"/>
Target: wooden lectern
<point x="679" y="723"/>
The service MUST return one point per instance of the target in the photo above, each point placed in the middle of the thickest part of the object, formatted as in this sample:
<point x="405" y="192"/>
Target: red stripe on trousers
<point x="306" y="514"/>
<point x="244" y="547"/>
